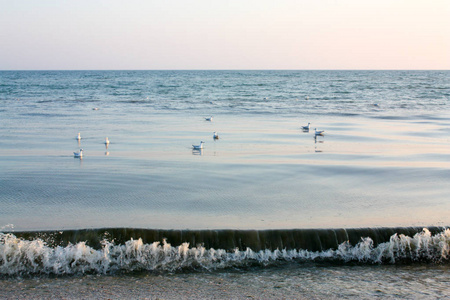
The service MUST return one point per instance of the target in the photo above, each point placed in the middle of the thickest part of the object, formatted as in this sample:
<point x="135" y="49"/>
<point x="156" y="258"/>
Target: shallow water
<point x="263" y="172"/>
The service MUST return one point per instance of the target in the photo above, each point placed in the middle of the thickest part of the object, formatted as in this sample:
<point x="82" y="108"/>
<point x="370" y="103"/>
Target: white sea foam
<point x="20" y="257"/>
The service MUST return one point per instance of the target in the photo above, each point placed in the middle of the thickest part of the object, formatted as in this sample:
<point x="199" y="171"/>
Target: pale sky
<point x="235" y="34"/>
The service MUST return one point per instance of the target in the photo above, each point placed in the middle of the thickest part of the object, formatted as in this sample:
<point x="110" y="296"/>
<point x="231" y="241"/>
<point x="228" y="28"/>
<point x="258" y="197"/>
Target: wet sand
<point x="187" y="286"/>
<point x="292" y="281"/>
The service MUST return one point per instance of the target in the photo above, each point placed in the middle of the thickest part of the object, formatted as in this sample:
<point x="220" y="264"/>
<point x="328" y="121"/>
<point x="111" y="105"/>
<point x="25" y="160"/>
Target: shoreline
<point x="302" y="281"/>
<point x="130" y="287"/>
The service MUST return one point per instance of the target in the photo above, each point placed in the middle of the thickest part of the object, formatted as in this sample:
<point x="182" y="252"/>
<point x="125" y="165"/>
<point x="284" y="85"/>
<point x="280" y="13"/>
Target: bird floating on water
<point x="106" y="141"/>
<point x="209" y="119"/>
<point x="318" y="132"/>
<point x="78" y="154"/>
<point x="198" y="147"/>
<point x="95" y="108"/>
<point x="215" y="136"/>
<point x="78" y="137"/>
<point x="306" y="127"/>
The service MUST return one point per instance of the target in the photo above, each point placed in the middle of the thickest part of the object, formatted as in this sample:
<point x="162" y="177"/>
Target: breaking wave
<point x="19" y="256"/>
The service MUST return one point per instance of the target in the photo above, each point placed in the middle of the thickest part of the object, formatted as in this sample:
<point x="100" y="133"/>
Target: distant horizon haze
<point x="230" y="35"/>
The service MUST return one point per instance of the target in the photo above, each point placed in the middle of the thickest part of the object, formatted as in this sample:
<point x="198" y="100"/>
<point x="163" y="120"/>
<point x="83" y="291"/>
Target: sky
<point x="227" y="34"/>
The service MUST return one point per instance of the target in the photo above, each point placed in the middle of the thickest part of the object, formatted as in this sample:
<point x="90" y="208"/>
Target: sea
<point x="268" y="210"/>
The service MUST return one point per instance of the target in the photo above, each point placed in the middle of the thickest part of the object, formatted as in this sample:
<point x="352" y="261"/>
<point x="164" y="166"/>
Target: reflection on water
<point x="266" y="176"/>
<point x="197" y="151"/>
<point x="264" y="170"/>
<point x="317" y="142"/>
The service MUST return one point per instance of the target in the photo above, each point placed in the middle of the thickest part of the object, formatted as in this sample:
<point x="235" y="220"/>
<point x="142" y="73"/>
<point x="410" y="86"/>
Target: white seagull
<point x="319" y="132"/>
<point x="209" y="119"/>
<point x="78" y="154"/>
<point x="106" y="141"/>
<point x="78" y="137"/>
<point x="306" y="127"/>
<point x="215" y="136"/>
<point x="198" y="147"/>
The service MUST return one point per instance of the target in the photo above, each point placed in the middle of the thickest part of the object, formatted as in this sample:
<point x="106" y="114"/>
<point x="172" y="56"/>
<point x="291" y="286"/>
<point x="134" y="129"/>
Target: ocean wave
<point x="20" y="257"/>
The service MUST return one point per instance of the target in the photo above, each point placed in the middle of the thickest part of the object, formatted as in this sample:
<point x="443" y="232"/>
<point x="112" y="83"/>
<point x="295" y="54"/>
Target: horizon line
<point x="15" y="70"/>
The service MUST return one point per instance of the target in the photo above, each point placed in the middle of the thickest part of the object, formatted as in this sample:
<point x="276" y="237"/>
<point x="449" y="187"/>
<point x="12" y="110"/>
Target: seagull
<point x="198" y="147"/>
<point x="319" y="132"/>
<point x="215" y="136"/>
<point x="209" y="119"/>
<point x="106" y="141"/>
<point x="78" y="137"/>
<point x="78" y="154"/>
<point x="306" y="127"/>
